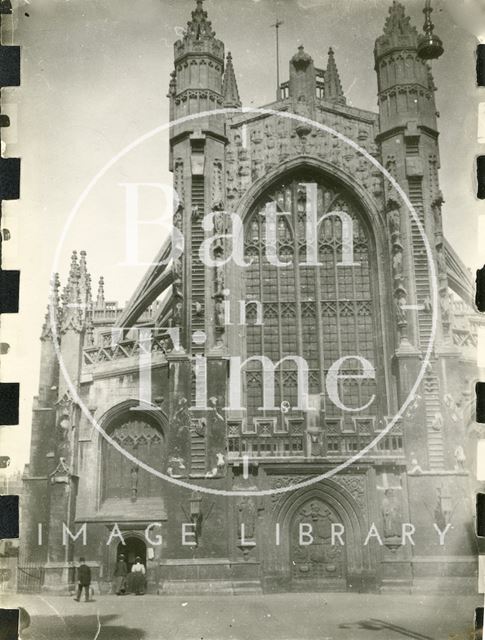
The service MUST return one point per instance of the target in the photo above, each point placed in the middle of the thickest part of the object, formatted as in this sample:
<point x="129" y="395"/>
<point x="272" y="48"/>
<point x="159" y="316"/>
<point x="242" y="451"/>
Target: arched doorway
<point x="132" y="548"/>
<point x="326" y="564"/>
<point x="317" y="556"/>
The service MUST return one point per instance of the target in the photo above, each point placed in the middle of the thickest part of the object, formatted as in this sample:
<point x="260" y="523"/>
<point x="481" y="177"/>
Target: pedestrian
<point x="121" y="571"/>
<point x="138" y="571"/>
<point x="84" y="580"/>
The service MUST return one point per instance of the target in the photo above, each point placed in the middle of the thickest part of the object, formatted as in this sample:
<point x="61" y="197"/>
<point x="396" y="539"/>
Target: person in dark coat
<point x="84" y="580"/>
<point x="121" y="571"/>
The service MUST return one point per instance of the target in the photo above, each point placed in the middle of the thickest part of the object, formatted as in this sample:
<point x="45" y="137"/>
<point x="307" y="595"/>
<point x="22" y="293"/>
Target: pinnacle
<point x="230" y="91"/>
<point x="100" y="301"/>
<point x="333" y="86"/>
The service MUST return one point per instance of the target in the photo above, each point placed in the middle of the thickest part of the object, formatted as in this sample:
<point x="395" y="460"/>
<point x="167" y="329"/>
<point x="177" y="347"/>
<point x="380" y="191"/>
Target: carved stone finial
<point x="199" y="27"/>
<point x="397" y="22"/>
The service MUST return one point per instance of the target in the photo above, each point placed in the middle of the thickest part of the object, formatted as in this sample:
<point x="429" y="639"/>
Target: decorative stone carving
<point x="61" y="474"/>
<point x="278" y="139"/>
<point x="283" y="482"/>
<point x="217" y="190"/>
<point x="414" y="466"/>
<point x="199" y="425"/>
<point x="178" y="180"/>
<point x="355" y="485"/>
<point x="321" y="558"/>
<point x="400" y="293"/>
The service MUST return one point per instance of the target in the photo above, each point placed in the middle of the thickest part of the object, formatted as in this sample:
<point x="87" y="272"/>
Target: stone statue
<point x="438" y="421"/>
<point x="391" y="514"/>
<point x="460" y="458"/>
<point x="394" y="221"/>
<point x="397" y="263"/>
<point x="247" y="516"/>
<point x="400" y="312"/>
<point x="219" y="313"/>
<point x="134" y="483"/>
<point x="415" y="467"/>
<point x="176" y="467"/>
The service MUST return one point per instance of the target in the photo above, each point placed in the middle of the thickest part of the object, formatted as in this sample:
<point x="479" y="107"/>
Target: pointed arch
<point x="305" y="316"/>
<point x="142" y="432"/>
<point x="349" y="515"/>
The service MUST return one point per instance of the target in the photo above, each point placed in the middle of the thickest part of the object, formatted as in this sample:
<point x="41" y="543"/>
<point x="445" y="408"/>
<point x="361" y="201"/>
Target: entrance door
<point x="134" y="547"/>
<point x="318" y="566"/>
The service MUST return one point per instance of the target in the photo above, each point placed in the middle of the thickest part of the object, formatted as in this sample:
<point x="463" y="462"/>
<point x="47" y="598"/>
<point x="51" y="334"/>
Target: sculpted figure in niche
<point x="177" y="314"/>
<point x="246" y="515"/>
<point x="436" y="209"/>
<point x="397" y="263"/>
<point x="394" y="221"/>
<point x="438" y="421"/>
<point x="441" y="261"/>
<point x="219" y="281"/>
<point x="460" y="458"/>
<point x="445" y="308"/>
<point x="391" y="514"/>
<point x="134" y="483"/>
<point x="400" y="312"/>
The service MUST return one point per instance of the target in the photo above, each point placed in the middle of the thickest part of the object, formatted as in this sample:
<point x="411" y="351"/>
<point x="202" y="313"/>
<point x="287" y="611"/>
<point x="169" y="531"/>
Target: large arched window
<point x="142" y="437"/>
<point x="319" y="312"/>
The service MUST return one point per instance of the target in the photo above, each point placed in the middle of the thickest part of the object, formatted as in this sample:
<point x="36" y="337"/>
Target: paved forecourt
<point x="287" y="616"/>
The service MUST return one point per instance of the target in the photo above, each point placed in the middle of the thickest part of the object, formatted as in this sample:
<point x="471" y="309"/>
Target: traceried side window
<point x="319" y="312"/>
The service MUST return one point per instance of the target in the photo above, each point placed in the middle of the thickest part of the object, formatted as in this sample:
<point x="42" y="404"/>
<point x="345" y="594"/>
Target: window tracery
<point x="319" y="312"/>
<point x="141" y="437"/>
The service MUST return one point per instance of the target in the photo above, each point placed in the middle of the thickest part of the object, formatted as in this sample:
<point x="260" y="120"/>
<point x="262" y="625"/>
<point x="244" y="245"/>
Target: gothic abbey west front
<point x="380" y="308"/>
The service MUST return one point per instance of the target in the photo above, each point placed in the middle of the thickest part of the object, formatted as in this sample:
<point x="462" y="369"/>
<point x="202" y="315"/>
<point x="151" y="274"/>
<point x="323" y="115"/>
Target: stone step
<point x="396" y="585"/>
<point x="247" y="587"/>
<point x="197" y="587"/>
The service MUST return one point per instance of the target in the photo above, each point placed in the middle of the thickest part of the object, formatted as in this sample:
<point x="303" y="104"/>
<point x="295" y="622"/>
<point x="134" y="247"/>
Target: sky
<point x="95" y="76"/>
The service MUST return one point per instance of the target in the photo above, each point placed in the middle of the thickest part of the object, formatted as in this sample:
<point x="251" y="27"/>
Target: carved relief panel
<point x="314" y="555"/>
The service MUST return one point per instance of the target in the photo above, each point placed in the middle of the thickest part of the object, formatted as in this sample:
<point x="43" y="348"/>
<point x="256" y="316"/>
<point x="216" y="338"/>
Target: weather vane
<point x="277" y="26"/>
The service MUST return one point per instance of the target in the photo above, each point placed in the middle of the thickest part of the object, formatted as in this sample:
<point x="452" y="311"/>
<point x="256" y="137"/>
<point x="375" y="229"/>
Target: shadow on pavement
<point x="373" y="624"/>
<point x="79" y="627"/>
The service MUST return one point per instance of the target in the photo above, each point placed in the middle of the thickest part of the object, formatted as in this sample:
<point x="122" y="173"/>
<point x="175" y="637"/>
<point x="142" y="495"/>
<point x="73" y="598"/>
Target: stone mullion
<point x="296" y="258"/>
<point x="280" y="324"/>
<point x="262" y="255"/>
<point x="337" y="307"/>
<point x="319" y="324"/>
<point x="355" y="302"/>
<point x="254" y="296"/>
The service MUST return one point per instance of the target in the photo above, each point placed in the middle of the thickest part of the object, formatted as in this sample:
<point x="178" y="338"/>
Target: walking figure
<point x="84" y="580"/>
<point x="121" y="571"/>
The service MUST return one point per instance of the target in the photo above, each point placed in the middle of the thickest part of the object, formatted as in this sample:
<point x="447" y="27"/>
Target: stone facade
<point x="239" y="162"/>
